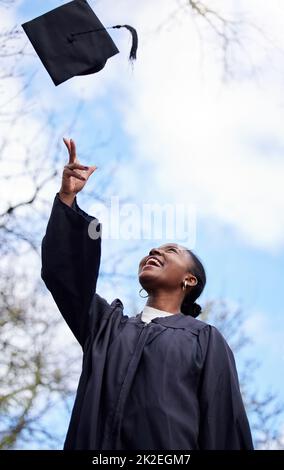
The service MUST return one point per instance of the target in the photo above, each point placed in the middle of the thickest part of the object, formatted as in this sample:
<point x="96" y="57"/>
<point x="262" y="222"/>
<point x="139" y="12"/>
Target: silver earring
<point x="184" y="284"/>
<point x="143" y="296"/>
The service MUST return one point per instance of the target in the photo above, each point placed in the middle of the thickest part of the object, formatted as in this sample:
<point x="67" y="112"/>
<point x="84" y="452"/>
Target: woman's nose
<point x="155" y="251"/>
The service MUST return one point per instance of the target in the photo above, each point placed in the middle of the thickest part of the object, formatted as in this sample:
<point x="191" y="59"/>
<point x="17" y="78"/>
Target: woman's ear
<point x="191" y="280"/>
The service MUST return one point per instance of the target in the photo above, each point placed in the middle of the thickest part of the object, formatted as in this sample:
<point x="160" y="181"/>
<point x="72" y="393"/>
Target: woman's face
<point x="165" y="267"/>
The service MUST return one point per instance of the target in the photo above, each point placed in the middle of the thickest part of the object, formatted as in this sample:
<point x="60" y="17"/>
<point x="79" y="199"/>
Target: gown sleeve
<point x="223" y="421"/>
<point x="70" y="264"/>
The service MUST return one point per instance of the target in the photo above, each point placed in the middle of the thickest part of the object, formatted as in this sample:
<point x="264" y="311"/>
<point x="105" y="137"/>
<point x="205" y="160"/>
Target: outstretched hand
<point x="74" y="176"/>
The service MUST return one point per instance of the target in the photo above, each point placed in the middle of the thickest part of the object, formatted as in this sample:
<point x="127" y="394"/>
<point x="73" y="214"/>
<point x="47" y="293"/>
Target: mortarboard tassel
<point x="132" y="55"/>
<point x="133" y="51"/>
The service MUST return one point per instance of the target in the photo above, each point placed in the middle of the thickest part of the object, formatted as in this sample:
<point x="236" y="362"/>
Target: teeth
<point x="155" y="261"/>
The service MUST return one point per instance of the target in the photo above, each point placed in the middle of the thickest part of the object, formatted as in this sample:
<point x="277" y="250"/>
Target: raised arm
<point x="70" y="258"/>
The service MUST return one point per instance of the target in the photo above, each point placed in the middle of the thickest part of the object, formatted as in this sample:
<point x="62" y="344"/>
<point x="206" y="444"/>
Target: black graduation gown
<point x="170" y="384"/>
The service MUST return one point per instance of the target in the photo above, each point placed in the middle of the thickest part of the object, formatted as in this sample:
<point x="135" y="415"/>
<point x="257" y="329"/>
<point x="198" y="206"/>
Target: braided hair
<point x="189" y="306"/>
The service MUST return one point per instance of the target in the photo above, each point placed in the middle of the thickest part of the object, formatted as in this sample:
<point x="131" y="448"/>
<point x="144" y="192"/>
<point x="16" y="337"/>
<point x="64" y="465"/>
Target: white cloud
<point x="205" y="137"/>
<point x="216" y="145"/>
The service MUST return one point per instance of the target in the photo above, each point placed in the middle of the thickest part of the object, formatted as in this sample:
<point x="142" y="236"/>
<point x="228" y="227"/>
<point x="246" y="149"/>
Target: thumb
<point x="92" y="169"/>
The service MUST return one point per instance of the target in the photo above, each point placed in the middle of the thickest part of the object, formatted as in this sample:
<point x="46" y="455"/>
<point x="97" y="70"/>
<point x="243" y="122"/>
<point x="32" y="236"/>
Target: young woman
<point x="159" y="380"/>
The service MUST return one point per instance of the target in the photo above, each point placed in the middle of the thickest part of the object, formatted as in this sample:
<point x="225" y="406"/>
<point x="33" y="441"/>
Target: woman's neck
<point x="166" y="301"/>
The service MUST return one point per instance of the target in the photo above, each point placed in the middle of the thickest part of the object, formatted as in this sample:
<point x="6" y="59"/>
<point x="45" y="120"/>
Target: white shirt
<point x="148" y="313"/>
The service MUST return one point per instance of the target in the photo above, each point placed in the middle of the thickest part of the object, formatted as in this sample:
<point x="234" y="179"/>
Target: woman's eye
<point x="172" y="249"/>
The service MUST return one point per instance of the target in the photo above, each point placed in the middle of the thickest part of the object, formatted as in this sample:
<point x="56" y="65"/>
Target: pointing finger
<point x="67" y="143"/>
<point x="72" y="151"/>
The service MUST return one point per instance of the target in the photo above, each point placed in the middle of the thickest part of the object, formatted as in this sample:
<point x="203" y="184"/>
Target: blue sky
<point x="186" y="134"/>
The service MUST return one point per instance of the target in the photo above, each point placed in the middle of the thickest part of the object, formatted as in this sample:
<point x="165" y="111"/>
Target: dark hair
<point x="189" y="306"/>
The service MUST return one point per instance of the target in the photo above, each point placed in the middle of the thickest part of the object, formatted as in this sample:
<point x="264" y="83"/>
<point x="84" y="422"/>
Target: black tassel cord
<point x="133" y="51"/>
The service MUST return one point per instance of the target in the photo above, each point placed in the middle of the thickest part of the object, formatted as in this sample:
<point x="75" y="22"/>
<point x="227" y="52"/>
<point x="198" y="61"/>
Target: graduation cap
<point x="70" y="40"/>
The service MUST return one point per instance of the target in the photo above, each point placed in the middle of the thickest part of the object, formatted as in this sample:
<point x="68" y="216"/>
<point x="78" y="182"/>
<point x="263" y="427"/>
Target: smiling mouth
<point x="153" y="262"/>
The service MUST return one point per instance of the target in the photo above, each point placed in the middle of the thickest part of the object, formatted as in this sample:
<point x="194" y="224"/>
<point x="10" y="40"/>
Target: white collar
<point x="148" y="313"/>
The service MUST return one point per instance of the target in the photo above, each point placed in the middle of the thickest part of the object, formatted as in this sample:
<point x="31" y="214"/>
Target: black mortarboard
<point x="70" y="40"/>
